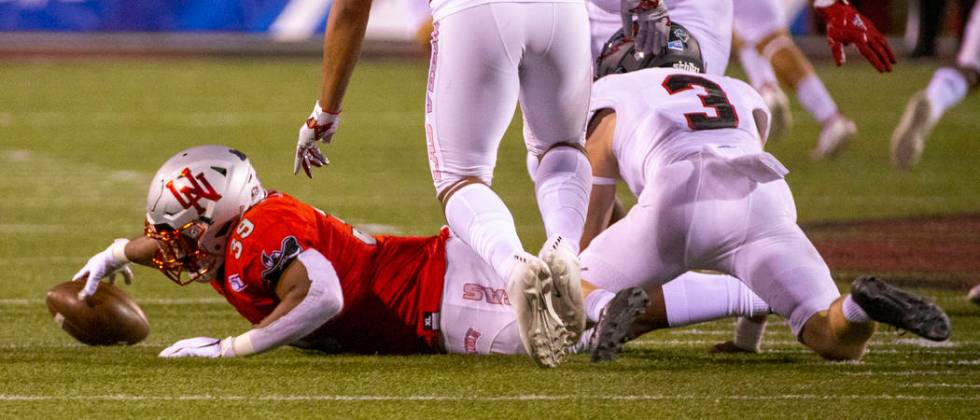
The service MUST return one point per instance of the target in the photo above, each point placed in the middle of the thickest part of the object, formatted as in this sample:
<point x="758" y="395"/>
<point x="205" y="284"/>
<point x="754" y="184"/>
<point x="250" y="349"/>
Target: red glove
<point x="846" y="26"/>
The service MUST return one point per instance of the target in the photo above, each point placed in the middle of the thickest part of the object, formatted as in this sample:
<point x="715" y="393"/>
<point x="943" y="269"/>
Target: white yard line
<point x="941" y="385"/>
<point x="178" y="301"/>
<point x="450" y="398"/>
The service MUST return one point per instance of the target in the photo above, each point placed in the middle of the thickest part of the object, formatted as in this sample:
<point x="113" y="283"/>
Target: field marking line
<point x="176" y="301"/>
<point x="941" y="385"/>
<point x="904" y="373"/>
<point x="401" y="398"/>
<point x="902" y="342"/>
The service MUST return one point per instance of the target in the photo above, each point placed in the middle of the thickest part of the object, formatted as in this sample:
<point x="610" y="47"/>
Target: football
<point x="108" y="317"/>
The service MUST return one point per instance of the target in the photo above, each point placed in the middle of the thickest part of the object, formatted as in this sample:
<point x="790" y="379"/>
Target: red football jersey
<point x="392" y="286"/>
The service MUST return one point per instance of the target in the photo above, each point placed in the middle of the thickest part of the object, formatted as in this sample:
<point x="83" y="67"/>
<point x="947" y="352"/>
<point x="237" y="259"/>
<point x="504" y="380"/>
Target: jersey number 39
<point x="715" y="98"/>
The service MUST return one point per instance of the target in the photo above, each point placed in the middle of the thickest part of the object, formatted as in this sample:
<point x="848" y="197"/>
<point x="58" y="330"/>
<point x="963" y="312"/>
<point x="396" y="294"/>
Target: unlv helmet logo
<point x="189" y="195"/>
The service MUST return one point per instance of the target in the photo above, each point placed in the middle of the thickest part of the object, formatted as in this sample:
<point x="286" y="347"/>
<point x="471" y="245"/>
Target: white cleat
<point x="542" y="332"/>
<point x="778" y="103"/>
<point x="836" y="133"/>
<point x="909" y="138"/>
<point x="566" y="278"/>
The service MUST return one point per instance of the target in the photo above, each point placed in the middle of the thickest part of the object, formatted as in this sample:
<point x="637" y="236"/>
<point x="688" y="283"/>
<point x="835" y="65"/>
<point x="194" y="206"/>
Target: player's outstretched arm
<point x="846" y="26"/>
<point x="342" y="41"/>
<point x="115" y="260"/>
<point x="605" y="172"/>
<point x="309" y="296"/>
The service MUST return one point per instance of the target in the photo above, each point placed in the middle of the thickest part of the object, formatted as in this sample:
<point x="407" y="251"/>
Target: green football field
<point x="80" y="139"/>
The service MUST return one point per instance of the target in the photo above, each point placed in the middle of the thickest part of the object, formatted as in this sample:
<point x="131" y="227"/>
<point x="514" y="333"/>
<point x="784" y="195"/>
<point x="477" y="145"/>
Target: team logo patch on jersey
<point x="236" y="283"/>
<point x="276" y="262"/>
<point x="469" y="342"/>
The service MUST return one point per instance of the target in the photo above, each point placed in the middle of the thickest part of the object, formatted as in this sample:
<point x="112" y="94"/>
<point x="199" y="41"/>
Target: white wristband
<point x="598" y="180"/>
<point x="118" y="251"/>
<point x="237" y="346"/>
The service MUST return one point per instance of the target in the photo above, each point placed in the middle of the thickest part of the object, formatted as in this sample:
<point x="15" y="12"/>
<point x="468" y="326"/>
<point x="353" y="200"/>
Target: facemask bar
<point x="179" y="252"/>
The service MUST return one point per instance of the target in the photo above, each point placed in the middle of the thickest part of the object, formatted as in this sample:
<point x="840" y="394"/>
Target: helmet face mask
<point x="194" y="201"/>
<point x="179" y="252"/>
<point x="619" y="55"/>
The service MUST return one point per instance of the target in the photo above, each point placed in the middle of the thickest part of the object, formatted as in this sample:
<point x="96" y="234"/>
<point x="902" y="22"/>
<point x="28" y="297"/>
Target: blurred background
<point x="924" y="28"/>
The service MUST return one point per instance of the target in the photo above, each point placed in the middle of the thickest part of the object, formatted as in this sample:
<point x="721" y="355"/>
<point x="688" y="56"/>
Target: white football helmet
<point x="195" y="200"/>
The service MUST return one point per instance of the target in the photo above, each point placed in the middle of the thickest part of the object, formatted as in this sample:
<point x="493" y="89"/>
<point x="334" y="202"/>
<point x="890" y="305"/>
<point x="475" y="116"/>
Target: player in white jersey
<point x="488" y="56"/>
<point x="948" y="87"/>
<point x="690" y="146"/>
<point x="769" y="56"/>
<point x="710" y="21"/>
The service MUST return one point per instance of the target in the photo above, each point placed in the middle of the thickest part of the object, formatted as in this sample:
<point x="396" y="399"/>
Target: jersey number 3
<point x="715" y="98"/>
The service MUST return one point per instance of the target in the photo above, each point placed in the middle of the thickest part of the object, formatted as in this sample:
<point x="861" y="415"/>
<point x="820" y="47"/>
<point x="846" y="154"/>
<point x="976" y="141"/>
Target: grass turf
<point x="79" y="141"/>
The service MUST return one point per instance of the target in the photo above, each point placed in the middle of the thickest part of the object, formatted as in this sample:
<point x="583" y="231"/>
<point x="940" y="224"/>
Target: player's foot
<point x="613" y="328"/>
<point x="909" y="138"/>
<point x="730" y="347"/>
<point x="778" y="103"/>
<point x="887" y="304"/>
<point x="974" y="294"/>
<point x="566" y="277"/>
<point x="836" y="133"/>
<point x="529" y="290"/>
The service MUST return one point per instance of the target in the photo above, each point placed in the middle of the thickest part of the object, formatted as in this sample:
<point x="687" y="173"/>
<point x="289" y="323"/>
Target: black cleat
<point x="887" y="304"/>
<point x="613" y="328"/>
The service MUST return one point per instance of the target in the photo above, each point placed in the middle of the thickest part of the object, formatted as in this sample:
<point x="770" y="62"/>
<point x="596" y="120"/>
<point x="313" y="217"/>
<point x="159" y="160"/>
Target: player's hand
<point x="652" y="24"/>
<point x="198" y="347"/>
<point x="107" y="263"/>
<point x="846" y="26"/>
<point x="319" y="127"/>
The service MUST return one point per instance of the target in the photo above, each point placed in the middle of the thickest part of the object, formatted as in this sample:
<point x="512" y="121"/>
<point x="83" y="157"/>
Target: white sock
<point x="596" y="301"/>
<point x="693" y="298"/>
<point x="562" y="182"/>
<point x="947" y="88"/>
<point x="853" y="312"/>
<point x="813" y="96"/>
<point x="757" y="68"/>
<point x="748" y="334"/>
<point x="478" y="217"/>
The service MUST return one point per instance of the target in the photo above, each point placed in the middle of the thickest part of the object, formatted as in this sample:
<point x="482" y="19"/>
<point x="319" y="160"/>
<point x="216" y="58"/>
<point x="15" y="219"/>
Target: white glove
<point x="105" y="264"/>
<point x="200" y="347"/>
<point x="652" y="22"/>
<point x="319" y="127"/>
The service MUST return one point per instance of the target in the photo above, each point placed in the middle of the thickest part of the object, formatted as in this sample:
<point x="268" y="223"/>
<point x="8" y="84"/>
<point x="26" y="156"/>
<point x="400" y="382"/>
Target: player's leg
<point x="765" y="27"/>
<point x="947" y="88"/>
<point x="689" y="299"/>
<point x="556" y="79"/>
<point x="476" y="315"/>
<point x="710" y="21"/>
<point x="794" y="69"/>
<point x="473" y="87"/>
<point x="640" y="252"/>
<point x="763" y="79"/>
<point x="785" y="269"/>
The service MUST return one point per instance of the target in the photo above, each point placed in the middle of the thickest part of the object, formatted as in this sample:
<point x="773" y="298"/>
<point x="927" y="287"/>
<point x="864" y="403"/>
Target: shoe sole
<point x="545" y="334"/>
<point x="908" y="141"/>
<point x="887" y="304"/>
<point x="613" y="330"/>
<point x="567" y="297"/>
